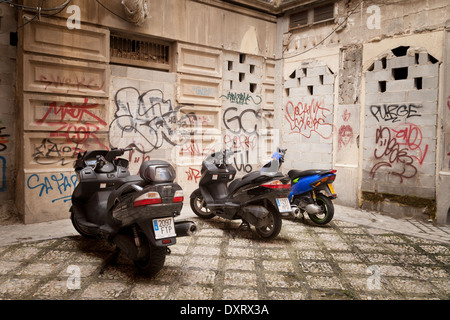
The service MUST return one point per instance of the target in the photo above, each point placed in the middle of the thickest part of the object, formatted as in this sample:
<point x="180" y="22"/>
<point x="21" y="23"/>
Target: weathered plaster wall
<point x="356" y="47"/>
<point x="8" y="74"/>
<point x="74" y="99"/>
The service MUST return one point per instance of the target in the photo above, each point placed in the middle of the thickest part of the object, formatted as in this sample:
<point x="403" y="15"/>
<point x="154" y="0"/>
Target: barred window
<point x="298" y="19"/>
<point x="324" y="13"/>
<point x="139" y="52"/>
<point x="312" y="15"/>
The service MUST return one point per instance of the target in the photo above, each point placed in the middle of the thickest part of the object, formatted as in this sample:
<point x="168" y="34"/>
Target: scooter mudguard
<point x="195" y="193"/>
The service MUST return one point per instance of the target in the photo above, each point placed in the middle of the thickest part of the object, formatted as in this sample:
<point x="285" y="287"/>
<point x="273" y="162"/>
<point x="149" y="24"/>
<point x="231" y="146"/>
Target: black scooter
<point x="133" y="212"/>
<point x="259" y="198"/>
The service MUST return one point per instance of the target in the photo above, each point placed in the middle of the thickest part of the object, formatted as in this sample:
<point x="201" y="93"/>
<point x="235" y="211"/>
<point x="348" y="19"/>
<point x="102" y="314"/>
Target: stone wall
<point x="75" y="97"/>
<point x="8" y="74"/>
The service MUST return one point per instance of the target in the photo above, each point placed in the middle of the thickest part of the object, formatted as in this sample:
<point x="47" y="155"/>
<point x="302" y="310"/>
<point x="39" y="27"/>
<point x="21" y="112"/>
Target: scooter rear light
<point x="277" y="184"/>
<point x="178" y="197"/>
<point x="147" y="198"/>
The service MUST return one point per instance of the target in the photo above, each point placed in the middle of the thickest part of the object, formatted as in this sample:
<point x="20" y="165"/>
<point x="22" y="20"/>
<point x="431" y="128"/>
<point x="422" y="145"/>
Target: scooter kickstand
<point x="109" y="260"/>
<point x="243" y="226"/>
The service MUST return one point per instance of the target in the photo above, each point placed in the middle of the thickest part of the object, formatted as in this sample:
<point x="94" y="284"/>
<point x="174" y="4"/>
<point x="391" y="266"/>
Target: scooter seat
<point x="130" y="179"/>
<point x="293" y="174"/>
<point x="252" y="177"/>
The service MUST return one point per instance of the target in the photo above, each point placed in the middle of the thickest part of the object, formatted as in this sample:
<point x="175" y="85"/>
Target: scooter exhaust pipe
<point x="295" y="211"/>
<point x="313" y="208"/>
<point x="185" y="228"/>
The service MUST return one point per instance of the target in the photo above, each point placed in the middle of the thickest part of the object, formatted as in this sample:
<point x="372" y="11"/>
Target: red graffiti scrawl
<point x="306" y="118"/>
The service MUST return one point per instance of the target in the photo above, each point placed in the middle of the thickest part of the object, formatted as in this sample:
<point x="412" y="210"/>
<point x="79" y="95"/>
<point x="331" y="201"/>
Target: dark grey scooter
<point x="259" y="198"/>
<point x="133" y="212"/>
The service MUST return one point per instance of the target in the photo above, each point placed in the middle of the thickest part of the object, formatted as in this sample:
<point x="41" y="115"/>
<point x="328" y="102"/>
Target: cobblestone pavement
<point x="342" y="260"/>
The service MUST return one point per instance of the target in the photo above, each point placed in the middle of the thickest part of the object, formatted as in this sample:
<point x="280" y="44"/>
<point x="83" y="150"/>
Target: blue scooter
<point x="311" y="190"/>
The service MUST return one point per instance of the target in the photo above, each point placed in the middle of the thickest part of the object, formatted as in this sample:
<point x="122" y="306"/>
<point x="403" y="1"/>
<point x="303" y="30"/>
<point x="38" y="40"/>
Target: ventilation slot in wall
<point x="138" y="52"/>
<point x="400" y="73"/>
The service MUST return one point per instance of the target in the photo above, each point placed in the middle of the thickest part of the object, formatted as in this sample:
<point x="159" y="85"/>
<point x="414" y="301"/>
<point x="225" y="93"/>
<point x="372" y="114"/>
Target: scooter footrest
<point x="232" y="204"/>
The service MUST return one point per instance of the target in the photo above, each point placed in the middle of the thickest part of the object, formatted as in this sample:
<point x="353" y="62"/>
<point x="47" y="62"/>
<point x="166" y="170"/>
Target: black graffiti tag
<point x="394" y="112"/>
<point x="146" y="120"/>
<point x="244" y="122"/>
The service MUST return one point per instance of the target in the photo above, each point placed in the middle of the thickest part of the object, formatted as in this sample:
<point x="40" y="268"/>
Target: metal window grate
<point x="298" y="19"/>
<point x="324" y="13"/>
<point x="139" y="52"/>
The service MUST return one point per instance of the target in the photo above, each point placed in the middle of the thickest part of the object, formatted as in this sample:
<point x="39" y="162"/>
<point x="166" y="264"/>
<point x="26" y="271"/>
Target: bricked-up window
<point x="140" y="52"/>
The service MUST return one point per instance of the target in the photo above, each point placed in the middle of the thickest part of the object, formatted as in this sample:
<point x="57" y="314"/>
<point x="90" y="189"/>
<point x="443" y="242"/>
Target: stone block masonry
<point x="8" y="75"/>
<point x="308" y="114"/>
<point x="399" y="138"/>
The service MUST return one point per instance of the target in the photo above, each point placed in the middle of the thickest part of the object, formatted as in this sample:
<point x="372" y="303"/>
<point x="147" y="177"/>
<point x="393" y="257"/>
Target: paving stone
<point x="343" y="260"/>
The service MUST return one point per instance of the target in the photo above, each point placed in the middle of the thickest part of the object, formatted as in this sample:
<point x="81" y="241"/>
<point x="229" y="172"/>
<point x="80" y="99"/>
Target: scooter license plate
<point x="331" y="188"/>
<point x="164" y="228"/>
<point x="283" y="205"/>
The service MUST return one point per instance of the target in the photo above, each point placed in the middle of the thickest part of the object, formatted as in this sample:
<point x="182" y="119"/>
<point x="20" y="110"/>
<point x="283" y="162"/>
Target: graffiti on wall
<point x="243" y="120"/>
<point x="193" y="175"/>
<point x="76" y="128"/>
<point x="307" y="117"/>
<point x="242" y="98"/>
<point x="146" y="120"/>
<point x="58" y="186"/>
<point x="3" y="146"/>
<point x="399" y="149"/>
<point x="73" y="82"/>
<point x="345" y="132"/>
<point x="76" y="123"/>
<point x="394" y="112"/>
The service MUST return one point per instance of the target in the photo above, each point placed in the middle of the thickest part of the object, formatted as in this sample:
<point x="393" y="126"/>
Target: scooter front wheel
<point x="199" y="208"/>
<point x="273" y="228"/>
<point x="80" y="229"/>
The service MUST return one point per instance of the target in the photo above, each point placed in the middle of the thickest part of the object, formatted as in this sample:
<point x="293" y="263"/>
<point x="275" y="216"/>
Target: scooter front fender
<point x="196" y="193"/>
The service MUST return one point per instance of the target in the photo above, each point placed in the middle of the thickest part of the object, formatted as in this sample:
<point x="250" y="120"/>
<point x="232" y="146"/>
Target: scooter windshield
<point x="274" y="164"/>
<point x="271" y="166"/>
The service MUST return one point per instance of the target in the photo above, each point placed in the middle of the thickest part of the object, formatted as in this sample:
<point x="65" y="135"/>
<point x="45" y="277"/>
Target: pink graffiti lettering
<point x="243" y="141"/>
<point x="306" y="118"/>
<point x="411" y="137"/>
<point x="193" y="149"/>
<point x="346" y="115"/>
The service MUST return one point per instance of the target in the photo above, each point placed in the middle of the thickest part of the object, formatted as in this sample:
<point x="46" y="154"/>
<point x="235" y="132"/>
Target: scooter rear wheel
<point x="327" y="210"/>
<point x="198" y="206"/>
<point x="154" y="261"/>
<point x="271" y="230"/>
